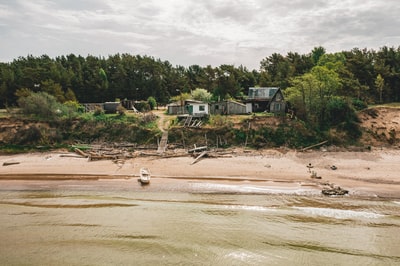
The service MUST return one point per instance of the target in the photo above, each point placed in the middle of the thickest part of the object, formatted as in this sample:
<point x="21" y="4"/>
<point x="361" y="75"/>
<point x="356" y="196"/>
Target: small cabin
<point x="190" y="107"/>
<point x="197" y="108"/>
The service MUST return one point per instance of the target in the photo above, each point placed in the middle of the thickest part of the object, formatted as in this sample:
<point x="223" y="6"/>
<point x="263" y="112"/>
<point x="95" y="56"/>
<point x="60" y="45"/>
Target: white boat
<point x="144" y="175"/>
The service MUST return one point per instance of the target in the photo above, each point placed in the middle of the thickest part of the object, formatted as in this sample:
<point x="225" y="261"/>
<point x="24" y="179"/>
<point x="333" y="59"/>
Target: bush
<point x="338" y="111"/>
<point x="219" y="121"/>
<point x="142" y="106"/>
<point x="98" y="111"/>
<point x="72" y="108"/>
<point x="152" y="102"/>
<point x="359" y="105"/>
<point x="41" y="105"/>
<point x="121" y="110"/>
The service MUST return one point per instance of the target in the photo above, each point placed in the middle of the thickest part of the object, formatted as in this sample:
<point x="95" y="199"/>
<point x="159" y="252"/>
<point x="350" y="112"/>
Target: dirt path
<point x="163" y="121"/>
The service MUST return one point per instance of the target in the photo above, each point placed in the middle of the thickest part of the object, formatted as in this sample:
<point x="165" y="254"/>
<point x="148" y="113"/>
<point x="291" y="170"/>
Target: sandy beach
<point x="372" y="174"/>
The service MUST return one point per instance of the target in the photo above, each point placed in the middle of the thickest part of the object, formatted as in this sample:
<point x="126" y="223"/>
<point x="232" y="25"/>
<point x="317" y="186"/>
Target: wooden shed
<point x="227" y="108"/>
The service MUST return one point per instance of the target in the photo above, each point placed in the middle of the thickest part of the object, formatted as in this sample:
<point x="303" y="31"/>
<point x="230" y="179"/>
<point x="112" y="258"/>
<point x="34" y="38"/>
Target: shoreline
<point x="370" y="174"/>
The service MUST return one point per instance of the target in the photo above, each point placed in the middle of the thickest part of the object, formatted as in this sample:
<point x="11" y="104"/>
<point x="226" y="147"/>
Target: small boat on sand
<point x="144" y="175"/>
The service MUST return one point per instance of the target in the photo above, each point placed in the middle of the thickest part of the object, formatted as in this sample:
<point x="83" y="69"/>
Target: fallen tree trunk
<point x="199" y="157"/>
<point x="72" y="155"/>
<point x="10" y="163"/>
<point x="197" y="149"/>
<point x="315" y="145"/>
<point x="80" y="152"/>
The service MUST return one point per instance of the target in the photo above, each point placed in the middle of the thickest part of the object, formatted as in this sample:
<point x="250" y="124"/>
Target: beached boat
<point x="144" y="175"/>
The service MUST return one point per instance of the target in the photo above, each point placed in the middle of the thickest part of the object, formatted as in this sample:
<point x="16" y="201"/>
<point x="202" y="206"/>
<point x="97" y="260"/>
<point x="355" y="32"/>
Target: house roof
<point x="194" y="102"/>
<point x="262" y="92"/>
<point x="228" y="101"/>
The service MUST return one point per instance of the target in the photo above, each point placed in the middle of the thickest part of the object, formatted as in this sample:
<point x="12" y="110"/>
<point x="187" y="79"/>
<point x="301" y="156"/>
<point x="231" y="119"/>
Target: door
<point x="190" y="109"/>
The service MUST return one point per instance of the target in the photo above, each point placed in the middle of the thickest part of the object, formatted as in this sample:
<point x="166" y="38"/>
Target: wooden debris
<point x="199" y="157"/>
<point x="195" y="149"/>
<point x="332" y="190"/>
<point x="315" y="145"/>
<point x="336" y="191"/>
<point x="104" y="151"/>
<point x="314" y="175"/>
<point x="80" y="152"/>
<point x="72" y="155"/>
<point x="10" y="163"/>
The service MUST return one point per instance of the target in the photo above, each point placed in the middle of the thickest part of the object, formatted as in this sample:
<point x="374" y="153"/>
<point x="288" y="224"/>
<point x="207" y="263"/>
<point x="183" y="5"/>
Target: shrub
<point x="338" y="111"/>
<point x="142" y="106"/>
<point x="72" y="108"/>
<point x="98" y="111"/>
<point x="121" y="110"/>
<point x="359" y="105"/>
<point x="40" y="104"/>
<point x="219" y="120"/>
<point x="152" y="102"/>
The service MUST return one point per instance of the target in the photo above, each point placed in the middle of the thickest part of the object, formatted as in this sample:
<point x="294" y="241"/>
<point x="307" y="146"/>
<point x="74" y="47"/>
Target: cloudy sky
<point x="187" y="32"/>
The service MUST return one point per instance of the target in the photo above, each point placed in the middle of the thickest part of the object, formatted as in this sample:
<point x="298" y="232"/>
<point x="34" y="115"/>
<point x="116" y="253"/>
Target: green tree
<point x="317" y="53"/>
<point x="152" y="102"/>
<point x="201" y="95"/>
<point x="53" y="88"/>
<point x="70" y="95"/>
<point x="23" y="92"/>
<point x="311" y="92"/>
<point x="379" y="85"/>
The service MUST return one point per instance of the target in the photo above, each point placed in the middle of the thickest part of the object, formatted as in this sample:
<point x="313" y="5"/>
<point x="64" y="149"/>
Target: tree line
<point x="308" y="80"/>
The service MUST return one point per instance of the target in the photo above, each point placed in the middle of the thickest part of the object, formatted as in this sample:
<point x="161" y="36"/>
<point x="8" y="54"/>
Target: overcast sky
<point x="187" y="32"/>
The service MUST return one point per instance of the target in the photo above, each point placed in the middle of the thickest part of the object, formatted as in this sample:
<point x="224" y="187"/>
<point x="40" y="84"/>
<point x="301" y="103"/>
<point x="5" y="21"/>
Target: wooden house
<point x="266" y="99"/>
<point x="189" y="107"/>
<point x="197" y="108"/>
<point x="227" y="108"/>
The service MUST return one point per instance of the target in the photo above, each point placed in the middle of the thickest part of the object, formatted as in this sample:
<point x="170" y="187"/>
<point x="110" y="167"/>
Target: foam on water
<point x="250" y="208"/>
<point x="339" y="214"/>
<point x="255" y="189"/>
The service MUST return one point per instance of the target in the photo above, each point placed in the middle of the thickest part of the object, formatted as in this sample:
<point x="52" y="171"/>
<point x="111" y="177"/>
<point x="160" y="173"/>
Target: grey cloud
<point x="82" y="5"/>
<point x="194" y="32"/>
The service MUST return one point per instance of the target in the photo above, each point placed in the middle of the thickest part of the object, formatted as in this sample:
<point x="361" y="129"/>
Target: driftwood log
<point x="315" y="145"/>
<point x="10" y="163"/>
<point x="199" y="157"/>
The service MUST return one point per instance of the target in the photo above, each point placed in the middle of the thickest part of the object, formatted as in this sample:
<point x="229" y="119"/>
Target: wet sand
<point x="370" y="174"/>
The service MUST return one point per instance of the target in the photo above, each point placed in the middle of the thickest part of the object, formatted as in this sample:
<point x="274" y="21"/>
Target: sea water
<point x="119" y="222"/>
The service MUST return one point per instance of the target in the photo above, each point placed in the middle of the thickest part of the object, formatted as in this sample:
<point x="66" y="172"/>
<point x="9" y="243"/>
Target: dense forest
<point x="308" y="80"/>
<point x="323" y="91"/>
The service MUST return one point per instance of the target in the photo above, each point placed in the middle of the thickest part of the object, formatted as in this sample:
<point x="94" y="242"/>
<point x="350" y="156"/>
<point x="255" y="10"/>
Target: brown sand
<point x="375" y="173"/>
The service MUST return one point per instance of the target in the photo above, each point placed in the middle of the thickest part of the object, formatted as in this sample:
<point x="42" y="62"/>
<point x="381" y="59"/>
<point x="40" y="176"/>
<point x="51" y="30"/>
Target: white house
<point x="197" y="108"/>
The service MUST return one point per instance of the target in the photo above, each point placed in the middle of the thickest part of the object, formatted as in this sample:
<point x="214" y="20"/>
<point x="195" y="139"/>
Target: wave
<point x="339" y="214"/>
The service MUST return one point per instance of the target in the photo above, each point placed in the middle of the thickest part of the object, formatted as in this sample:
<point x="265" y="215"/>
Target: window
<point x="272" y="92"/>
<point x="202" y="108"/>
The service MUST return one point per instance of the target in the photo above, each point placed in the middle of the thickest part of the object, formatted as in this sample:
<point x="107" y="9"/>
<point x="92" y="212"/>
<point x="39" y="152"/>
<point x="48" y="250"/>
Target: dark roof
<point x="262" y="92"/>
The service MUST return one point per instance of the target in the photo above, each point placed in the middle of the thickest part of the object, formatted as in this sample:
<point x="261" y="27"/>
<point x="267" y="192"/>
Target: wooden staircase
<point x="188" y="121"/>
<point x="162" y="146"/>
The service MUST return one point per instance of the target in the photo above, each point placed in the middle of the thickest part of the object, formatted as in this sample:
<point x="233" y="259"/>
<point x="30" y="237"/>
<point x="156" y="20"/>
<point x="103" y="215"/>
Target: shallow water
<point x="122" y="223"/>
